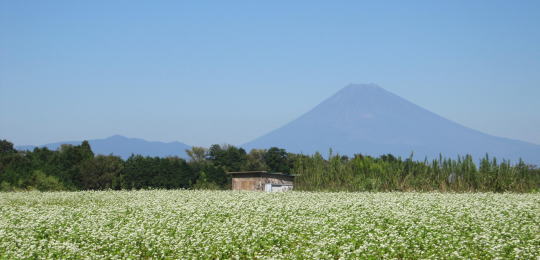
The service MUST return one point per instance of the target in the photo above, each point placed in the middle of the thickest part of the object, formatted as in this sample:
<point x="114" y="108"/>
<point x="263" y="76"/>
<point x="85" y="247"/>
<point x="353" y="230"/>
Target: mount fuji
<point x="369" y="120"/>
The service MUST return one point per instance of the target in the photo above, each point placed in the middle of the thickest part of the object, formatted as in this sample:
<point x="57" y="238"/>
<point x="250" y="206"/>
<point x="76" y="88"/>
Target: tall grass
<point x="388" y="173"/>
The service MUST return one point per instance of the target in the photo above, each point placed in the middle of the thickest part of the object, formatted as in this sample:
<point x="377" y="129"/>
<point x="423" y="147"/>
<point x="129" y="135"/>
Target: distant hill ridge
<point x="360" y="118"/>
<point x="365" y="118"/>
<point x="124" y="147"/>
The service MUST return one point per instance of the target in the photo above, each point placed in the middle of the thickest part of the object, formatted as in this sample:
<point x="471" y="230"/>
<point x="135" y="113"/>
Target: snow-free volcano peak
<point x="367" y="119"/>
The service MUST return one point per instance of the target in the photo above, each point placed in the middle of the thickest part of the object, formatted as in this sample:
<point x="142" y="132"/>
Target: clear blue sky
<point x="229" y="71"/>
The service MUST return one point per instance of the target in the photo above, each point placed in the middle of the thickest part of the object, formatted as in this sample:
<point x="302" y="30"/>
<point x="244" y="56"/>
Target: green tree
<point x="277" y="160"/>
<point x="197" y="154"/>
<point x="101" y="172"/>
<point x="255" y="160"/>
<point x="43" y="182"/>
<point x="6" y="147"/>
<point x="228" y="157"/>
<point x="67" y="162"/>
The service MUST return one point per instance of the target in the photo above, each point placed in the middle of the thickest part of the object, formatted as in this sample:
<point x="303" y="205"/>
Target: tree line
<point x="388" y="173"/>
<point x="76" y="167"/>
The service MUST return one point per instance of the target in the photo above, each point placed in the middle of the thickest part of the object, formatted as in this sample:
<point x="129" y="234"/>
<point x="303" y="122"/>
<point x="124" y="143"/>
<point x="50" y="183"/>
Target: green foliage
<point x="43" y="182"/>
<point x="6" y="147"/>
<point x="388" y="173"/>
<point x="15" y="168"/>
<point x="197" y="154"/>
<point x="153" y="172"/>
<point x="255" y="160"/>
<point x="74" y="167"/>
<point x="228" y="157"/>
<point x="101" y="172"/>
<point x="277" y="160"/>
<point x="207" y="174"/>
<point x="204" y="184"/>
<point x="5" y="186"/>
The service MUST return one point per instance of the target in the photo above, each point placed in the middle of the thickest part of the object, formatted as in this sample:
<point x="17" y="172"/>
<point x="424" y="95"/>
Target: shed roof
<point x="260" y="172"/>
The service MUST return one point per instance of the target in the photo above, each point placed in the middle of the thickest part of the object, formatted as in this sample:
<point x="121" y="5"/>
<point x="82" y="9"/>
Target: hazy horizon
<point x="205" y="73"/>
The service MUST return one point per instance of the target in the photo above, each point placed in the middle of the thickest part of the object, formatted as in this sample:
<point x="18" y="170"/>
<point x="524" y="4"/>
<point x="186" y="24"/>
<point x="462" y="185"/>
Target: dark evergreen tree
<point x="277" y="160"/>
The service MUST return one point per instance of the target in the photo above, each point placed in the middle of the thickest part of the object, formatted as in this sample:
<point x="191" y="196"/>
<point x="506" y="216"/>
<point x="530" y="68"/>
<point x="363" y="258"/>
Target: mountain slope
<point x="124" y="147"/>
<point x="370" y="120"/>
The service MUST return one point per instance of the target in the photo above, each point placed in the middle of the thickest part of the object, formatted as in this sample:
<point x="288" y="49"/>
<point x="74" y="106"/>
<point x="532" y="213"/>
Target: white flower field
<point x="229" y="224"/>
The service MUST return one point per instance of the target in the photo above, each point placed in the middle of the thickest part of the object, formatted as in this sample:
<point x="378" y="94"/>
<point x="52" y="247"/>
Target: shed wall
<point x="256" y="183"/>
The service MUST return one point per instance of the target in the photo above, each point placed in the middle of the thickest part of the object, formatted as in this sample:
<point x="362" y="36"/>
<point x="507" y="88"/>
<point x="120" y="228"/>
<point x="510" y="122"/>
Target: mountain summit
<point x="369" y="120"/>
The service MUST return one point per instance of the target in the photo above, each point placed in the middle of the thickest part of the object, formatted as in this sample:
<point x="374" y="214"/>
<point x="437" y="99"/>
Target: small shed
<point x="261" y="181"/>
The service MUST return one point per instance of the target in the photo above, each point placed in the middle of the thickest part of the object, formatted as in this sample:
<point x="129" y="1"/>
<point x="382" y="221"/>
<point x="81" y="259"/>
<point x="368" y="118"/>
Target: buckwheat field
<point x="228" y="224"/>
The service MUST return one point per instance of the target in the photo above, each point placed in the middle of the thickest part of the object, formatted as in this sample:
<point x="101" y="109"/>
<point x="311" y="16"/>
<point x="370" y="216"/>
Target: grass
<point x="228" y="224"/>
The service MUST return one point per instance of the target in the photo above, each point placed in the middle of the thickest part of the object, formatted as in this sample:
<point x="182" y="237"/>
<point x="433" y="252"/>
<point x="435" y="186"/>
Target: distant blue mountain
<point x="124" y="147"/>
<point x="370" y="120"/>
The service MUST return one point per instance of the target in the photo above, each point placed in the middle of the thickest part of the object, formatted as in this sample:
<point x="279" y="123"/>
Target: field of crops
<point x="227" y="224"/>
